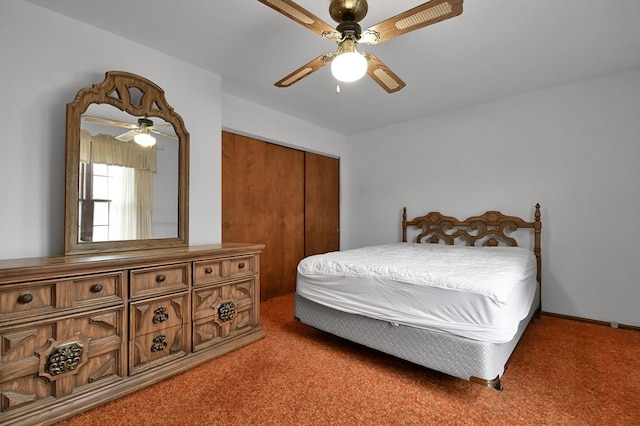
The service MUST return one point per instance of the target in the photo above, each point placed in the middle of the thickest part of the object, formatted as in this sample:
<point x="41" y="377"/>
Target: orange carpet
<point x="563" y="373"/>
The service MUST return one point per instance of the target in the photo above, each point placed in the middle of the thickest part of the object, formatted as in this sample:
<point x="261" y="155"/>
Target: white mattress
<point x="479" y="293"/>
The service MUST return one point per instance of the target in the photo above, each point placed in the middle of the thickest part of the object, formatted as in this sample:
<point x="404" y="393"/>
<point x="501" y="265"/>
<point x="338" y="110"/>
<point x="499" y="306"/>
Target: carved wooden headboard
<point x="490" y="229"/>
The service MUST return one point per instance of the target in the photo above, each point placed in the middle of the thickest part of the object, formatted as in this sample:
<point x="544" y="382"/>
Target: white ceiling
<point x="495" y="49"/>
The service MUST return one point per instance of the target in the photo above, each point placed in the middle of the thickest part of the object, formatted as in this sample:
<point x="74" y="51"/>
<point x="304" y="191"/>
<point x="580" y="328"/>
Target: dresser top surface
<point x="15" y="268"/>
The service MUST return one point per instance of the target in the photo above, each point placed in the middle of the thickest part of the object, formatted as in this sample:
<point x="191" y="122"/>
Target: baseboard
<point x="592" y="321"/>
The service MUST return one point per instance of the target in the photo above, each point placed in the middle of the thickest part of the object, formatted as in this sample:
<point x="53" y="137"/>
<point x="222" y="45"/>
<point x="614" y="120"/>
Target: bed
<point x="457" y="298"/>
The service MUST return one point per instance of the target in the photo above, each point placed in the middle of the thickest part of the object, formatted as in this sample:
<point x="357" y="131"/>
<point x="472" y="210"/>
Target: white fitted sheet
<point x="479" y="293"/>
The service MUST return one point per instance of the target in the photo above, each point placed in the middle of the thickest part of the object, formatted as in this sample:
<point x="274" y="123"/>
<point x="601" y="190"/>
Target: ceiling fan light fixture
<point x="144" y="139"/>
<point x="349" y="65"/>
<point x="348" y="33"/>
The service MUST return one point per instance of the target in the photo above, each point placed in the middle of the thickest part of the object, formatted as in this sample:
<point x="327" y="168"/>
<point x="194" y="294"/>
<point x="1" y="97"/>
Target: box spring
<point x="453" y="355"/>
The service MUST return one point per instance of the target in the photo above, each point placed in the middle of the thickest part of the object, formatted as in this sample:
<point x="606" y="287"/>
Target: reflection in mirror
<point x="127" y="168"/>
<point x="128" y="177"/>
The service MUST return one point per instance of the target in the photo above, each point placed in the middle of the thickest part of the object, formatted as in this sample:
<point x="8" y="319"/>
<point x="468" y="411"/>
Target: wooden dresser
<point x="78" y="331"/>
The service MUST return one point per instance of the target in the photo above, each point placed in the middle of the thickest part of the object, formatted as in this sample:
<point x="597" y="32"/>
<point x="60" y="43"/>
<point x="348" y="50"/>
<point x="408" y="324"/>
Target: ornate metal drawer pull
<point x="241" y="265"/>
<point x="208" y="270"/>
<point x="226" y="311"/>
<point x="160" y="315"/>
<point x="64" y="358"/>
<point x="160" y="278"/>
<point x="25" y="298"/>
<point x="96" y="288"/>
<point x="159" y="343"/>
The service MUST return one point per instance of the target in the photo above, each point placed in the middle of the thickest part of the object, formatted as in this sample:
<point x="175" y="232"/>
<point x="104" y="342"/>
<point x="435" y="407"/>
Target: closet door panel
<point x="322" y="204"/>
<point x="284" y="190"/>
<point x="243" y="195"/>
<point x="263" y="202"/>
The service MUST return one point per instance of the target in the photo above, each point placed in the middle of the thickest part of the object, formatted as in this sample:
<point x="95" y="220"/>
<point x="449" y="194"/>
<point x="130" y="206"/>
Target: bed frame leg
<point x="494" y="383"/>
<point x="498" y="385"/>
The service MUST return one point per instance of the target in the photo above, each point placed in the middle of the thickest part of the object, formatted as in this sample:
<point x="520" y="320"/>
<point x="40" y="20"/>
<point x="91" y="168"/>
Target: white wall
<point x="243" y="117"/>
<point x="46" y="59"/>
<point x="575" y="149"/>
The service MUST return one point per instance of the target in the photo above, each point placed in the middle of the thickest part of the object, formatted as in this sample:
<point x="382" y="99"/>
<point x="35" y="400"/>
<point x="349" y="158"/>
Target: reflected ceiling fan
<point x="140" y="132"/>
<point x="347" y="64"/>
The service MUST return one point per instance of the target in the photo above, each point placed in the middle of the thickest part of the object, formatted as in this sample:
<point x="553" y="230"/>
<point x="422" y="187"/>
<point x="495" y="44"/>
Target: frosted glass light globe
<point x="144" y="139"/>
<point x="349" y="66"/>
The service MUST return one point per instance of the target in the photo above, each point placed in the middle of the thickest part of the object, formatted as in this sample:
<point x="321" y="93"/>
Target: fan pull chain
<point x="338" y="86"/>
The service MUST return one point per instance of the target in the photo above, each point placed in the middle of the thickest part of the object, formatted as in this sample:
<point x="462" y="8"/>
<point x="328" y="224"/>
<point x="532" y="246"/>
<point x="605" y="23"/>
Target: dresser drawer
<point x="211" y="331"/>
<point x="27" y="298"/>
<point x="151" y="315"/>
<point x="222" y="312"/>
<point x="34" y="298"/>
<point x="158" y="280"/>
<point x="207" y="271"/>
<point x="215" y="270"/>
<point x="48" y="360"/>
<point x="241" y="266"/>
<point x="159" y="347"/>
<point x="208" y="300"/>
<point x="97" y="289"/>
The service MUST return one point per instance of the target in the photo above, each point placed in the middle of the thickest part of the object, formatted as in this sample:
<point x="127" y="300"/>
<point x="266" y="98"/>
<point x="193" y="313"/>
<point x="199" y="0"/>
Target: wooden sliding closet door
<point x="322" y="204"/>
<point x="263" y="202"/>
<point x="284" y="187"/>
<point x="243" y="194"/>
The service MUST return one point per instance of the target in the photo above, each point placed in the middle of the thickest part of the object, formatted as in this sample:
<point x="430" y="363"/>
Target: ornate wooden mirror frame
<point x="139" y="98"/>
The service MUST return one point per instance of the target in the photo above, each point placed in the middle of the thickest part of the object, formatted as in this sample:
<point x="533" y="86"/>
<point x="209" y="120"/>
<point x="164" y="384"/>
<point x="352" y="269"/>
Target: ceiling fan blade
<point x="306" y="69"/>
<point x="153" y="130"/>
<point x="382" y="75"/>
<point x="127" y="136"/>
<point x="109" y="122"/>
<point x="299" y="14"/>
<point x="413" y="19"/>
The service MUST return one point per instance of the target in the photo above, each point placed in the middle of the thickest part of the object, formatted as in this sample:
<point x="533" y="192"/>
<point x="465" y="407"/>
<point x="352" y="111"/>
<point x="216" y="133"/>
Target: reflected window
<point x="106" y="203"/>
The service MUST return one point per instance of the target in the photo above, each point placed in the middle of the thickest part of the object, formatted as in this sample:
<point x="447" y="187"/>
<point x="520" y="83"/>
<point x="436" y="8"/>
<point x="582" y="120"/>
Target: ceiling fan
<point x="348" y="34"/>
<point x="140" y="132"/>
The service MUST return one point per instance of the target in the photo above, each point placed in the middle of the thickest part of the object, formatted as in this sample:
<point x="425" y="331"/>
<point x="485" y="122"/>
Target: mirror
<point x="126" y="168"/>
